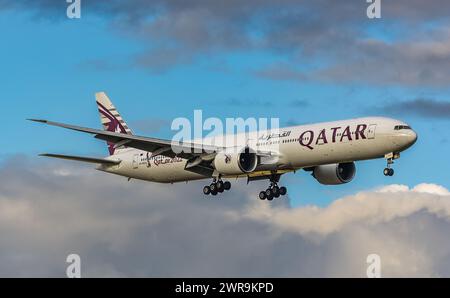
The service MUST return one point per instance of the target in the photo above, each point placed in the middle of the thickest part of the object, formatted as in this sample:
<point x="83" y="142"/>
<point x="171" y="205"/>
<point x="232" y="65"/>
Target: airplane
<point x="328" y="150"/>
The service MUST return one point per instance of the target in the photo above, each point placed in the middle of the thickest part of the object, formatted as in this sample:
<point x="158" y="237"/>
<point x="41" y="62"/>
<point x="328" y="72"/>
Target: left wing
<point x="199" y="156"/>
<point x="102" y="161"/>
<point x="156" y="146"/>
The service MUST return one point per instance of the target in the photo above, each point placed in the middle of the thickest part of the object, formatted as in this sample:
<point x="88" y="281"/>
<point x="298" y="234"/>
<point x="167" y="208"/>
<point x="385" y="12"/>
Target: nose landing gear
<point x="388" y="171"/>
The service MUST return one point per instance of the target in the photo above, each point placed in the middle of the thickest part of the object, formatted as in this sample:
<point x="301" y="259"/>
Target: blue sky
<point x="51" y="67"/>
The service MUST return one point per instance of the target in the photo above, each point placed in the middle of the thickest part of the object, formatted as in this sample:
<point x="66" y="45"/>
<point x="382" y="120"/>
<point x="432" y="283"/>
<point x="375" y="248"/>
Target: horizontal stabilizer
<point x="83" y="159"/>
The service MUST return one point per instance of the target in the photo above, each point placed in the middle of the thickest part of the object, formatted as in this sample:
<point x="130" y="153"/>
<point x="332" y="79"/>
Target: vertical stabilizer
<point x="110" y="118"/>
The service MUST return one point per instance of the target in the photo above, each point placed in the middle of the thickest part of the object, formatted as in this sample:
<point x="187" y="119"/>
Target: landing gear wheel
<point x="227" y="185"/>
<point x="262" y="195"/>
<point x="206" y="190"/>
<point x="273" y="191"/>
<point x="269" y="194"/>
<point x="214" y="192"/>
<point x="276" y="191"/>
<point x="213" y="188"/>
<point x="388" y="171"/>
<point x="219" y="185"/>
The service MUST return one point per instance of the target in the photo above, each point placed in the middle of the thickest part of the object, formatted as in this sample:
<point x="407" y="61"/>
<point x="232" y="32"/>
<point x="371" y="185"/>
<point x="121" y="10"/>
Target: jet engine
<point x="236" y="162"/>
<point x="335" y="173"/>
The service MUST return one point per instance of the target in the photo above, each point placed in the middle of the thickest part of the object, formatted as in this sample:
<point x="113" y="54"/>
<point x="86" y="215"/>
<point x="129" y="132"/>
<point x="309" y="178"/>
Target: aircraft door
<point x="371" y="131"/>
<point x="135" y="161"/>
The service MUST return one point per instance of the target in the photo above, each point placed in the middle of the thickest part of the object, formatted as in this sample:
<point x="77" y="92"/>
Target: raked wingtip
<point x="38" y="120"/>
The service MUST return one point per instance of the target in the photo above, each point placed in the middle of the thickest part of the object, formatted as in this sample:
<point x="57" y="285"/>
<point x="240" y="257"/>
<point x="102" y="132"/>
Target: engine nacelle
<point x="335" y="173"/>
<point x="232" y="163"/>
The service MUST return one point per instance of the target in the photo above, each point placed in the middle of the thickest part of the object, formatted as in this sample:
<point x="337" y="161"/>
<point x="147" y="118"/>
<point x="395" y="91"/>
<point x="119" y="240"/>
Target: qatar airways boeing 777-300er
<point x="328" y="150"/>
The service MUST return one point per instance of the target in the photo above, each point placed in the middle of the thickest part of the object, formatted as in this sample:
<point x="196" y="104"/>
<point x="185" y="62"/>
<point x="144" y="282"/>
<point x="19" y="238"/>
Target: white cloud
<point x="431" y="189"/>
<point x="145" y="229"/>
<point x="372" y="207"/>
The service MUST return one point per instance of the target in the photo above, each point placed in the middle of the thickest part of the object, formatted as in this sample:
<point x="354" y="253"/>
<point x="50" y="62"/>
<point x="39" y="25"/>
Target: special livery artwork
<point x="157" y="160"/>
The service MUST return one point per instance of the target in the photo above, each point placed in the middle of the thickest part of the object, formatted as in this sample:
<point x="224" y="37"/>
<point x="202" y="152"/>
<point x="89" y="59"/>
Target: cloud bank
<point x="309" y="40"/>
<point x="139" y="229"/>
<point x="423" y="107"/>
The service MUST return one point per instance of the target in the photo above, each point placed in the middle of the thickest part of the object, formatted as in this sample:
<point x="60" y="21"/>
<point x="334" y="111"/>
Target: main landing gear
<point x="216" y="187"/>
<point x="274" y="191"/>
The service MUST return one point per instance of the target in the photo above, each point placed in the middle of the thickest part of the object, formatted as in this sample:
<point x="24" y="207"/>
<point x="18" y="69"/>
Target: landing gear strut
<point x="216" y="187"/>
<point x="274" y="191"/>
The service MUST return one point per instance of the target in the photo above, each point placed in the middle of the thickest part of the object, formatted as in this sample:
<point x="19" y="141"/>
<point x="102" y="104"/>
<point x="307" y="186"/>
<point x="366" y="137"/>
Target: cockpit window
<point x="400" y="127"/>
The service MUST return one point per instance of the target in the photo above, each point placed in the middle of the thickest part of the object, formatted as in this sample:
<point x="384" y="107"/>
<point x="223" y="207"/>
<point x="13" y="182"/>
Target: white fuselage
<point x="296" y="147"/>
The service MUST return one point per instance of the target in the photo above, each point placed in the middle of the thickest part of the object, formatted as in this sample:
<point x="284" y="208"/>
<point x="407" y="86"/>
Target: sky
<point x="299" y="61"/>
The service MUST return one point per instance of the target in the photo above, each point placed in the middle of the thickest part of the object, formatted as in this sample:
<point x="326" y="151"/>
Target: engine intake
<point x="232" y="163"/>
<point x="334" y="174"/>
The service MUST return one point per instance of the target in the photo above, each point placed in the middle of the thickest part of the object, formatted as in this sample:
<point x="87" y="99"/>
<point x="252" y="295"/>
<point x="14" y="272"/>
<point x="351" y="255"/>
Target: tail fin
<point x="110" y="118"/>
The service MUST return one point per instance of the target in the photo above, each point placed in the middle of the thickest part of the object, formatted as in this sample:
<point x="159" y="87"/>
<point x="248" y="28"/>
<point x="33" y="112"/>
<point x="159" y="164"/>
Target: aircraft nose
<point x="406" y="138"/>
<point x="410" y="137"/>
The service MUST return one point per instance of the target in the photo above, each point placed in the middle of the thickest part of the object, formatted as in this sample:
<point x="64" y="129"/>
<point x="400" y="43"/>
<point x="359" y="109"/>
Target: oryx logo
<point x="110" y="123"/>
<point x="227" y="158"/>
<point x="113" y="124"/>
